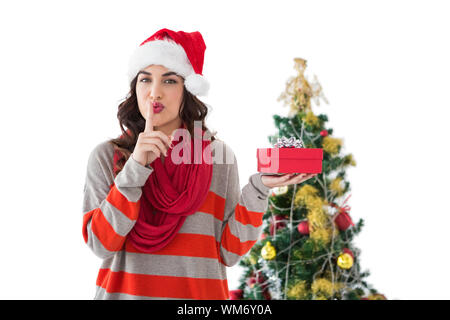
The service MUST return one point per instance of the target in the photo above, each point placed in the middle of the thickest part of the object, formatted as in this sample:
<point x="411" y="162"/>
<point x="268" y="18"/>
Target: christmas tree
<point x="306" y="250"/>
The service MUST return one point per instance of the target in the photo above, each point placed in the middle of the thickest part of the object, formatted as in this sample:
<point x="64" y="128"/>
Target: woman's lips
<point x="158" y="107"/>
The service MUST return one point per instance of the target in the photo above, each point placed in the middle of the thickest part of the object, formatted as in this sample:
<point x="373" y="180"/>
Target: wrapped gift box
<point x="279" y="161"/>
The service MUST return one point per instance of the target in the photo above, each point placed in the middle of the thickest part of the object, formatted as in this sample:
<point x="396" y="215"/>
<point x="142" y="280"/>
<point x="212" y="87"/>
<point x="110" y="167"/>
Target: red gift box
<point x="289" y="160"/>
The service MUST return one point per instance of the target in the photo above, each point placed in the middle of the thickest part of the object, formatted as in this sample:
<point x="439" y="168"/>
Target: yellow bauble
<point x="345" y="261"/>
<point x="268" y="252"/>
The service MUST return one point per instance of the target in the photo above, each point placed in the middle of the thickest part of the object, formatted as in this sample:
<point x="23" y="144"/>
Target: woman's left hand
<point x="285" y="180"/>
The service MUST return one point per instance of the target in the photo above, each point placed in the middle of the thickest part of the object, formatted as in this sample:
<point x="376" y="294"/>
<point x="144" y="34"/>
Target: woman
<point x="166" y="224"/>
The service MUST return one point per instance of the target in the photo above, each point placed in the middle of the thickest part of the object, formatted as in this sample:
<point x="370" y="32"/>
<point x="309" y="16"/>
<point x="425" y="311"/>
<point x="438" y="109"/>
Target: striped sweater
<point x="192" y="265"/>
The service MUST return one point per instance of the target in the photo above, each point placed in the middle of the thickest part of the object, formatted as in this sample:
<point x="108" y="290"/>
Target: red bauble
<point x="324" y="133"/>
<point x="266" y="295"/>
<point x="259" y="278"/>
<point x="236" y="294"/>
<point x="276" y="220"/>
<point x="263" y="236"/>
<point x="256" y="278"/>
<point x="251" y="281"/>
<point x="347" y="250"/>
<point x="343" y="221"/>
<point x="264" y="286"/>
<point x="303" y="227"/>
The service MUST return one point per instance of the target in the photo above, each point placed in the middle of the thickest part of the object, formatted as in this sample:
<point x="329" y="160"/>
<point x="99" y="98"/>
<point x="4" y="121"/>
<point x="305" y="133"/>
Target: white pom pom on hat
<point x="181" y="52"/>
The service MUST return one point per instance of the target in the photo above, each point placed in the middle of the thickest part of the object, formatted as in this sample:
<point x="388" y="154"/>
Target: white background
<point x="384" y="67"/>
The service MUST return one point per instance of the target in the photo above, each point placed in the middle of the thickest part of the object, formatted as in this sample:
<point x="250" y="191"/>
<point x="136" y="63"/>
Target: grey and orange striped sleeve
<point x="110" y="205"/>
<point x="242" y="223"/>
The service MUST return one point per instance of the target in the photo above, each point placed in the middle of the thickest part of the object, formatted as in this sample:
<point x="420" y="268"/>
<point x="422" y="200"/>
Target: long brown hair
<point x="192" y="109"/>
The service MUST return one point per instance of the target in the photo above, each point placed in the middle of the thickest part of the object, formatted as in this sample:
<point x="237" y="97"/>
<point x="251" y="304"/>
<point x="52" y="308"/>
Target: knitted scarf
<point x="171" y="193"/>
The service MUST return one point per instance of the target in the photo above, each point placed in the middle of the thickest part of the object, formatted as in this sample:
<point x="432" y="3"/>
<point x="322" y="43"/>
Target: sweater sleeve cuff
<point x="133" y="174"/>
<point x="256" y="182"/>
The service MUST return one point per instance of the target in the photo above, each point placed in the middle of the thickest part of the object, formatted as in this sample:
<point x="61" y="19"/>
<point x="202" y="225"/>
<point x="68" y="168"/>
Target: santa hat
<point x="181" y="52"/>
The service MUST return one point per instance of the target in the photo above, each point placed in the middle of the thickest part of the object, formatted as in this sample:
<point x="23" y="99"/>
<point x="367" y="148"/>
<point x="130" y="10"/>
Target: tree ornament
<point x="261" y="279"/>
<point x="304" y="194"/>
<point x="251" y="282"/>
<point x="323" y="287"/>
<point x="257" y="278"/>
<point x="311" y="119"/>
<point x="324" y="133"/>
<point x="278" y="191"/>
<point x="303" y="228"/>
<point x="276" y="222"/>
<point x="347" y="250"/>
<point x="345" y="261"/>
<point x="266" y="294"/>
<point x="268" y="252"/>
<point x="236" y="294"/>
<point x="342" y="218"/>
<point x="343" y="221"/>
<point x="331" y="145"/>
<point x="349" y="160"/>
<point x="297" y="291"/>
<point x="337" y="186"/>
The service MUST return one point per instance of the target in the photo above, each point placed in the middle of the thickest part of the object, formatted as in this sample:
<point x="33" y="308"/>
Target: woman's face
<point x="155" y="85"/>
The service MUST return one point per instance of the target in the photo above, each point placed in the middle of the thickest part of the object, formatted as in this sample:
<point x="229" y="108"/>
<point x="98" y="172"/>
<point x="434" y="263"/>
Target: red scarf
<point x="171" y="193"/>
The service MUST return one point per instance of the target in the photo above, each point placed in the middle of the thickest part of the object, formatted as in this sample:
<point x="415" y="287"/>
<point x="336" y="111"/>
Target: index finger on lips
<point x="149" y="119"/>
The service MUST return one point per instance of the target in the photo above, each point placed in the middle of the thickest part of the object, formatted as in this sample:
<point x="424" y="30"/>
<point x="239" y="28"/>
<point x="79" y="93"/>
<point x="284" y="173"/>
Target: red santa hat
<point x="181" y="52"/>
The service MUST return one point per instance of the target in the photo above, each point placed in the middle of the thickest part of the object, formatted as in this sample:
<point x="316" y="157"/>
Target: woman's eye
<point x="172" y="81"/>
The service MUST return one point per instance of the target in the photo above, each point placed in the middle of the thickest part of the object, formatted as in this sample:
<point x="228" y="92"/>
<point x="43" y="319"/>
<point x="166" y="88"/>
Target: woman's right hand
<point x="150" y="144"/>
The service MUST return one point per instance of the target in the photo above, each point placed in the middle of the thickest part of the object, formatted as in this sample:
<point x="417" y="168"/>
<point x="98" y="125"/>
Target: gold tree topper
<point x="299" y="90"/>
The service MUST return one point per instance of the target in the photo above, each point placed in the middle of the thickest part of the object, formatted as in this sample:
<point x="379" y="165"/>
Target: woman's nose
<point x="155" y="92"/>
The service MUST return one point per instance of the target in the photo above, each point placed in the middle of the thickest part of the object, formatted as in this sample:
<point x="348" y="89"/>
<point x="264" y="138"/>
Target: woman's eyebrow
<point x="165" y="74"/>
